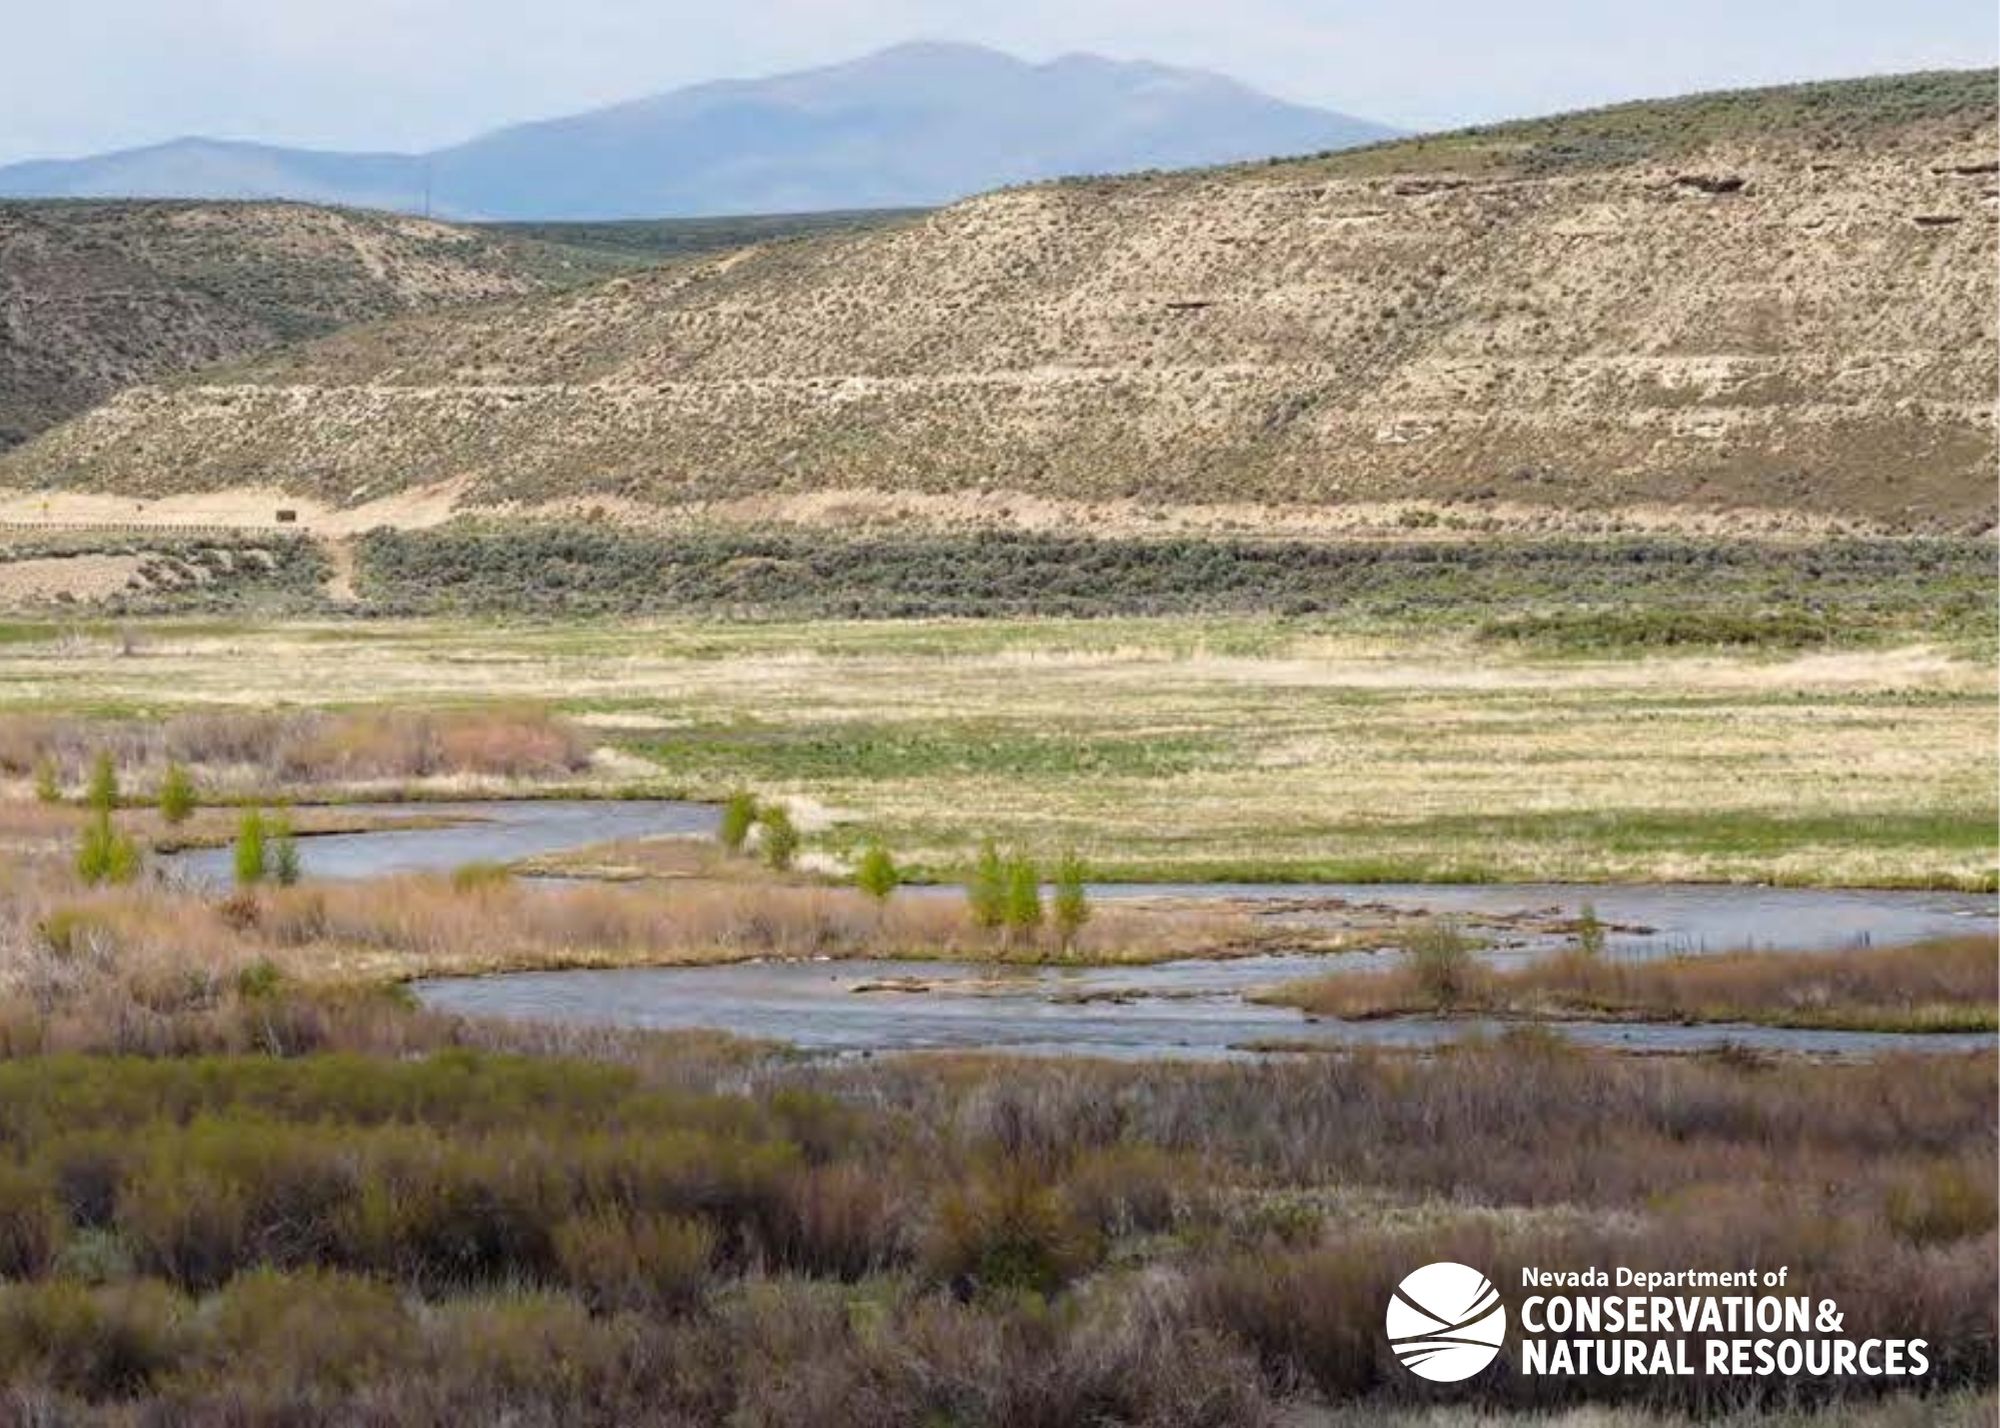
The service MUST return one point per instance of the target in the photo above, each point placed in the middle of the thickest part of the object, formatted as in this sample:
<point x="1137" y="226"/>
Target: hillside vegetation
<point x="652" y="240"/>
<point x="95" y="296"/>
<point x="1625" y="594"/>
<point x="1772" y="305"/>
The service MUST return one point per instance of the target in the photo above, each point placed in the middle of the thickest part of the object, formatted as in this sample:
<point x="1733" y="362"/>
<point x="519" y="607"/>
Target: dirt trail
<point x="254" y="508"/>
<point x="340" y="584"/>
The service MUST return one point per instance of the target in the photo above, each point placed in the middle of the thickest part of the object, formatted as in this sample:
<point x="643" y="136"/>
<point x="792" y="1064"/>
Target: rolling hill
<point x="96" y="296"/>
<point x="915" y="125"/>
<point x="1760" y="308"/>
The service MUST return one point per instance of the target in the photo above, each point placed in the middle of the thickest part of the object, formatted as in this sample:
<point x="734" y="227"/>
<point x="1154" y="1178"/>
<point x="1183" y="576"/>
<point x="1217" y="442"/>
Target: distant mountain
<point x="912" y="126"/>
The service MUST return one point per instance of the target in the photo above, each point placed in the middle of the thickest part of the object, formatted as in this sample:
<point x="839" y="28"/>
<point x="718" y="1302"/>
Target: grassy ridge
<point x="652" y="240"/>
<point x="1827" y="111"/>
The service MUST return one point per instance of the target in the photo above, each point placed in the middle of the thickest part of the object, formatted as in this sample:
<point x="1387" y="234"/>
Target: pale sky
<point x="86" y="75"/>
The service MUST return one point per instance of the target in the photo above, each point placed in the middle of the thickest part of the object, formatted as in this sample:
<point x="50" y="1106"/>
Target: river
<point x="1194" y="1008"/>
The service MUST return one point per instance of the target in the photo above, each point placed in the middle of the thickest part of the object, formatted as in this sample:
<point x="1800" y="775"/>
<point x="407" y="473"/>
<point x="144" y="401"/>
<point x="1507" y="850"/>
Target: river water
<point x="495" y="831"/>
<point x="1191" y="1009"/>
<point x="1194" y="1008"/>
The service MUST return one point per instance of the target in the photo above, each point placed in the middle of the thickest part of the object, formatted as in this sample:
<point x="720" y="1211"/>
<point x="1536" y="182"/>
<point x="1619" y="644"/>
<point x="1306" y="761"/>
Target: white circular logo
<point x="1446" y="1322"/>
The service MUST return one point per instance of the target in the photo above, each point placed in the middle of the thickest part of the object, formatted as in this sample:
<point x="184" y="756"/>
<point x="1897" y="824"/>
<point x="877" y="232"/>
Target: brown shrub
<point x="1952" y="982"/>
<point x="93" y="1343"/>
<point x="1943" y="1202"/>
<point x="304" y="1334"/>
<point x="1130" y="1189"/>
<point x="234" y="748"/>
<point x="1008" y="1231"/>
<point x="839" y="1221"/>
<point x="653" y="1263"/>
<point x="32" y="1228"/>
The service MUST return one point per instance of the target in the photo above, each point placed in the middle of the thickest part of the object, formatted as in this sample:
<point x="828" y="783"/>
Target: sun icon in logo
<point x="1446" y="1322"/>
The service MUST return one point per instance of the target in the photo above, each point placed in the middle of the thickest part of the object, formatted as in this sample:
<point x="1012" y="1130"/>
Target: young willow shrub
<point x="986" y="891"/>
<point x="284" y="852"/>
<point x="105" y="855"/>
<point x="252" y="853"/>
<point x="644" y="1262"/>
<point x="1024" y="898"/>
<point x="1441" y="959"/>
<point x="177" y="796"/>
<point x="1590" y="932"/>
<point x="1070" y="906"/>
<point x="877" y="874"/>
<point x="780" y="838"/>
<point x="102" y="792"/>
<point x="48" y="781"/>
<point x="739" y="815"/>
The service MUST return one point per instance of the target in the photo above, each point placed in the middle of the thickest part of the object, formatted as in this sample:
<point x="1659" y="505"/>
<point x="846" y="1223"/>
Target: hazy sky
<point x="83" y="75"/>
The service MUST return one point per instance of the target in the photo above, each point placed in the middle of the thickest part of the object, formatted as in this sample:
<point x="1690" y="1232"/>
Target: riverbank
<point x="1932" y="987"/>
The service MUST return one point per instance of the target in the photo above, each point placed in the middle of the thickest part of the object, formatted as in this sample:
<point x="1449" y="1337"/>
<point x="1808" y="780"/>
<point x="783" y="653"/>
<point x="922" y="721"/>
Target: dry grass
<point x="233" y="751"/>
<point x="1948" y="985"/>
<point x="1182" y="748"/>
<point x="434" y="925"/>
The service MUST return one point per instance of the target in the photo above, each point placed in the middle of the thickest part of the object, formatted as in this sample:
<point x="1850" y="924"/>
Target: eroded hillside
<point x="96" y="296"/>
<point x="1776" y="305"/>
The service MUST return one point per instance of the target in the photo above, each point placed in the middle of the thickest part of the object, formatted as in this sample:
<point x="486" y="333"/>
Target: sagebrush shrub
<point x="1441" y="958"/>
<point x="1008" y="1231"/>
<point x="652" y="1263"/>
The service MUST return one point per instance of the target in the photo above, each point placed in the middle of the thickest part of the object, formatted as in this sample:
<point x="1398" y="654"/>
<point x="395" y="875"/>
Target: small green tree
<point x="779" y="838"/>
<point x="986" y="891"/>
<point x="1070" y="907"/>
<point x="102" y="793"/>
<point x="1024" y="898"/>
<point x="738" y="816"/>
<point x="48" y="782"/>
<point x="284" y="852"/>
<point x="1590" y="932"/>
<point x="123" y="864"/>
<point x="105" y="855"/>
<point x="1441" y="956"/>
<point x="177" y="799"/>
<point x="877" y="875"/>
<point x="252" y="854"/>
<point x="93" y="853"/>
